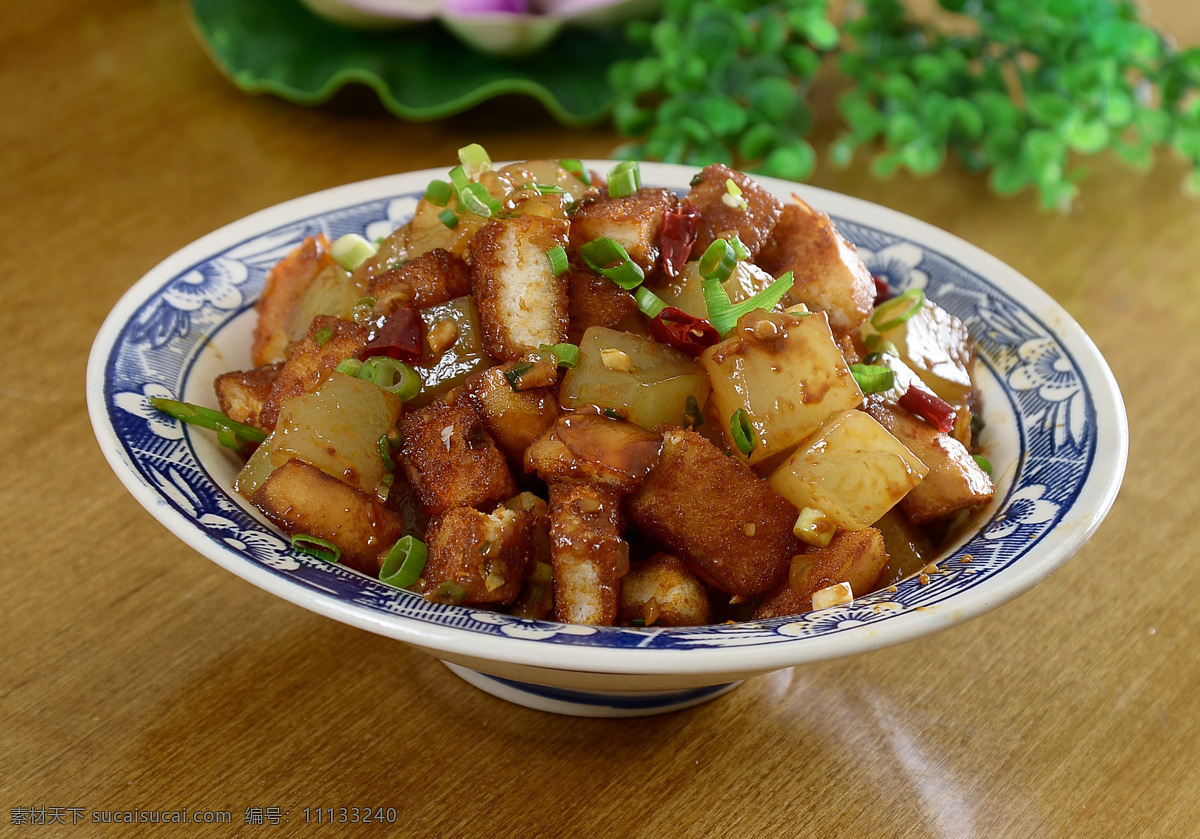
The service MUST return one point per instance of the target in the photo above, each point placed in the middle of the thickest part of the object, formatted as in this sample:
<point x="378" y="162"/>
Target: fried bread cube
<point x="514" y="418"/>
<point x="754" y="222"/>
<point x="589" y="556"/>
<point x="285" y="285"/>
<point x="522" y="303"/>
<point x="731" y="527"/>
<point x="785" y="371"/>
<point x="597" y="301"/>
<point x="827" y="272"/>
<point x="955" y="481"/>
<point x="851" y="469"/>
<point x="477" y="559"/>
<point x="633" y="221"/>
<point x="450" y="459"/>
<point x="301" y="499"/>
<point x="661" y="591"/>
<point x="241" y="394"/>
<point x="856" y="557"/>
<point x="329" y="340"/>
<point x="595" y="449"/>
<point x="427" y="280"/>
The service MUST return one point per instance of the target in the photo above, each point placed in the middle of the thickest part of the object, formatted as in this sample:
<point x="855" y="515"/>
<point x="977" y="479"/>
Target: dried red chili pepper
<point x="882" y="292"/>
<point x="676" y="328"/>
<point x="680" y="228"/>
<point x="933" y="409"/>
<point x="397" y="336"/>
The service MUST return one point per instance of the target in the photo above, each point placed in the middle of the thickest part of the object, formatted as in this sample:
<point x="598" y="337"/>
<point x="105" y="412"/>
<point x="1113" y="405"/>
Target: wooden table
<point x="134" y="674"/>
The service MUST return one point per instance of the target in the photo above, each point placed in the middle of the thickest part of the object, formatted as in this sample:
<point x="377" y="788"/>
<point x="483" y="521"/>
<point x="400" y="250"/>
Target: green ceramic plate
<point x="420" y="73"/>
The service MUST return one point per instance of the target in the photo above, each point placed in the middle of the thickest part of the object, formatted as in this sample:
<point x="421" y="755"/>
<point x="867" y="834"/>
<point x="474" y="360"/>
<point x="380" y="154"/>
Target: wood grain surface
<point x="135" y="674"/>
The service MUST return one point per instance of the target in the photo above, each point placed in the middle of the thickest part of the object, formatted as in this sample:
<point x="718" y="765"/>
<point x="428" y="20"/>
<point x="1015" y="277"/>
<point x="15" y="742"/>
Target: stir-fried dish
<point x="564" y="395"/>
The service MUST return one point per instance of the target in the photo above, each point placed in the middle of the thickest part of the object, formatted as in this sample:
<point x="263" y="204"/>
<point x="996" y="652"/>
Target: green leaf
<point x="1087" y="137"/>
<point x="822" y="34"/>
<point x="757" y="141"/>
<point x="723" y="115"/>
<point x="1049" y="109"/>
<point x="772" y="98"/>
<point x="279" y="47"/>
<point x="792" y="162"/>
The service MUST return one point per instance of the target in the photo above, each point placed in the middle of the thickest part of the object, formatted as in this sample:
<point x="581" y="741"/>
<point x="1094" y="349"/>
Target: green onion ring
<point x="404" y="562"/>
<point x="606" y="257"/>
<point x="873" y="378"/>
<point x="719" y="261"/>
<point x="899" y="309"/>
<point x="624" y="179"/>
<point x="742" y="431"/>
<point x="316" y="546"/>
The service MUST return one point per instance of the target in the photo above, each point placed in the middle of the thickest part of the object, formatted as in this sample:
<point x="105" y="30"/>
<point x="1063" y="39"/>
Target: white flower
<point x="896" y="265"/>
<point x="399" y="212"/>
<point x="138" y="404"/>
<point x="530" y="630"/>
<point x="1027" y="507"/>
<point x="1044" y="369"/>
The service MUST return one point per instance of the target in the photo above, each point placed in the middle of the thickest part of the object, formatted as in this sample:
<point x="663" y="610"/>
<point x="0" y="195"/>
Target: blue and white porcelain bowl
<point x="1056" y="435"/>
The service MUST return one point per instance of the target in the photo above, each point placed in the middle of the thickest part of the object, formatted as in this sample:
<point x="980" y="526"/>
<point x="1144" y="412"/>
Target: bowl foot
<point x="589" y="703"/>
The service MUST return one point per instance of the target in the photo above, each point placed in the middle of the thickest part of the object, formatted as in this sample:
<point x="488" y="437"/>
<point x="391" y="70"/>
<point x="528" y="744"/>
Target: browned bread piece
<point x="733" y="529"/>
<point x="955" y="481"/>
<point x="856" y="557"/>
<point x="514" y="418"/>
<point x="285" y="285"/>
<point x="597" y="301"/>
<point x="329" y="340"/>
<point x="595" y="449"/>
<point x="753" y="224"/>
<point x="450" y="459"/>
<point x="485" y="554"/>
<point x="241" y="394"/>
<point x="633" y="221"/>
<point x="662" y="591"/>
<point x="436" y="276"/>
<point x="588" y="554"/>
<point x="827" y="273"/>
<point x="300" y="498"/>
<point x="522" y="303"/>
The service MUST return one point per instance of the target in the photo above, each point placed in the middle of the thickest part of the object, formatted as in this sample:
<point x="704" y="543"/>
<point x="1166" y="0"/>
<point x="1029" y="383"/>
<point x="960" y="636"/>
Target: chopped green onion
<point x="693" y="417"/>
<point x="739" y="247"/>
<point x="475" y="160"/>
<point x="449" y="218"/>
<point x="719" y="261"/>
<point x="351" y="251"/>
<point x="648" y="302"/>
<point x="899" y="309"/>
<point x="452" y="591"/>
<point x="385" y="453"/>
<point x="640" y="623"/>
<point x="606" y="257"/>
<point x="404" y="562"/>
<point x="349" y="366"/>
<point x="742" y="431"/>
<point x="733" y="196"/>
<point x="322" y="335"/>
<point x="624" y="179"/>
<point x="814" y="527"/>
<point x="984" y="463"/>
<point x="459" y="179"/>
<point x="391" y="375"/>
<point x="558" y="259"/>
<point x="978" y="423"/>
<point x="574" y="166"/>
<point x="438" y="193"/>
<point x="567" y="355"/>
<point x="316" y="546"/>
<point x="514" y="375"/>
<point x="547" y="189"/>
<point x="230" y="433"/>
<point x="476" y="199"/>
<point x="873" y="378"/>
<point x="363" y="310"/>
<point x="724" y="316"/>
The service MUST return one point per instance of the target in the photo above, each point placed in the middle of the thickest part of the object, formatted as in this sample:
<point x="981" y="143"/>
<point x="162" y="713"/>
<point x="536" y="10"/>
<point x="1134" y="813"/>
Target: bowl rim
<point x="1092" y="502"/>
